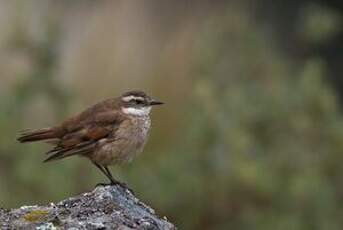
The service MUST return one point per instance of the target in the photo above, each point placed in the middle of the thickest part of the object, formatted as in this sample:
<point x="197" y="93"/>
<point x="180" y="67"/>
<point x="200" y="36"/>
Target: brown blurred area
<point x="251" y="133"/>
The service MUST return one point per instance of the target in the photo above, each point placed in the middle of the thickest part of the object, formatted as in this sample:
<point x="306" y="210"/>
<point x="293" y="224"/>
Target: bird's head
<point x="137" y="103"/>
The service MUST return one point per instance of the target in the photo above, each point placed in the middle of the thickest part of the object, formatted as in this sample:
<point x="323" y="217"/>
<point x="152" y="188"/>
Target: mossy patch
<point x="36" y="215"/>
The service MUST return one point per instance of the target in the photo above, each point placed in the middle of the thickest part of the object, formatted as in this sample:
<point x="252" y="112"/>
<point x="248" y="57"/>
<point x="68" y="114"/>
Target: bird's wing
<point x="103" y="111"/>
<point x="53" y="135"/>
<point x="83" y="138"/>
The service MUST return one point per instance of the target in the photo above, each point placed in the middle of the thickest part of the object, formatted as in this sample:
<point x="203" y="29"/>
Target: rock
<point x="109" y="207"/>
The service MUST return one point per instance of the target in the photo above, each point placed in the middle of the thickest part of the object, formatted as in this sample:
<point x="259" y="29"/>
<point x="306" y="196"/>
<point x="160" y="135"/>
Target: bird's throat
<point x="144" y="111"/>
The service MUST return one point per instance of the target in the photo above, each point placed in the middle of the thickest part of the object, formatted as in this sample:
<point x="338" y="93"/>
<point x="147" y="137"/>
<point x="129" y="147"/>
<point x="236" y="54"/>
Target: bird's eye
<point x="139" y="102"/>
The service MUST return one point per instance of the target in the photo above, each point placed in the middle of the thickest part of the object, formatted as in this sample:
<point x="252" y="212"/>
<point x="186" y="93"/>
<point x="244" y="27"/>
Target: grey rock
<point x="109" y="207"/>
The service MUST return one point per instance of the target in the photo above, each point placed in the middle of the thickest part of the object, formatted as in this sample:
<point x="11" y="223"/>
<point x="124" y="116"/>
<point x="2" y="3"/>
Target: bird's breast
<point x="128" y="141"/>
<point x="136" y="129"/>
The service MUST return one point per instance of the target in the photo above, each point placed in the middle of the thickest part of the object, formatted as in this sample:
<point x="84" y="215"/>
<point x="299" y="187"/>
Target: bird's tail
<point x="38" y="135"/>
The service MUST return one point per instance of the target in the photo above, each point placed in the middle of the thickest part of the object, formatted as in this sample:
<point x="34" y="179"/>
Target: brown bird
<point x="111" y="132"/>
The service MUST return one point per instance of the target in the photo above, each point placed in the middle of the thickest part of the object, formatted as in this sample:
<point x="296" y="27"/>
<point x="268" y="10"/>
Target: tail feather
<point x="38" y="135"/>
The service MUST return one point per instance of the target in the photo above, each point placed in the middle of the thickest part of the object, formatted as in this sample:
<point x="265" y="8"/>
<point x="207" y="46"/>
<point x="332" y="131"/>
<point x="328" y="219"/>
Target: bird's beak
<point x="155" y="102"/>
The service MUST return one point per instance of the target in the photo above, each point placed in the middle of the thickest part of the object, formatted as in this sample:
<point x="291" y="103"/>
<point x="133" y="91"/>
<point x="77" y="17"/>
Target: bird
<point x="111" y="132"/>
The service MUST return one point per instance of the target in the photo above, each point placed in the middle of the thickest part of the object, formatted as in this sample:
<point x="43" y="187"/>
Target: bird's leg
<point x="114" y="181"/>
<point x="108" y="172"/>
<point x="105" y="170"/>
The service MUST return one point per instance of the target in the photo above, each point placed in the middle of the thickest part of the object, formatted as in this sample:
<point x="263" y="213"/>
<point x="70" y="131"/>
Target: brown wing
<point x="103" y="110"/>
<point x="82" y="137"/>
<point x="53" y="135"/>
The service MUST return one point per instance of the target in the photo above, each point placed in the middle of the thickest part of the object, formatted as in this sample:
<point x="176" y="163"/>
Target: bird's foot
<point x="121" y="184"/>
<point x="103" y="184"/>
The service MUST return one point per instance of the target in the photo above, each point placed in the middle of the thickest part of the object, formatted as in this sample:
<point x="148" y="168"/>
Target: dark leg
<point x="114" y="181"/>
<point x="105" y="173"/>
<point x="102" y="170"/>
<point x="105" y="170"/>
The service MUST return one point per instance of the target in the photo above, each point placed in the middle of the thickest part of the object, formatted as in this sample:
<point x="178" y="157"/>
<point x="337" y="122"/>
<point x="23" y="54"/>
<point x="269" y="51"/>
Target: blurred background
<point x="251" y="136"/>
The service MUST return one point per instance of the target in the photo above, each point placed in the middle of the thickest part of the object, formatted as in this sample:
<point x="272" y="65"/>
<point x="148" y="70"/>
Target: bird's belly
<point x="124" y="148"/>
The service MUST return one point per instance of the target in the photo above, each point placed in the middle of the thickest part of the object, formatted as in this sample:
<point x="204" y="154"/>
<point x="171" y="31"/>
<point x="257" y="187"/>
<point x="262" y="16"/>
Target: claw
<point x="103" y="184"/>
<point x="121" y="184"/>
<point x="125" y="186"/>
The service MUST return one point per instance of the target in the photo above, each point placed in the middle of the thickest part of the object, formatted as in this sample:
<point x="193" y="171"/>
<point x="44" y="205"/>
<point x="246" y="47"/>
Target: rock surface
<point x="110" y="207"/>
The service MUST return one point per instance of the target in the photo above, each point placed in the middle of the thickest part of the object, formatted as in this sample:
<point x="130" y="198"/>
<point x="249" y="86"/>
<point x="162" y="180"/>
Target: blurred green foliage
<point x="257" y="145"/>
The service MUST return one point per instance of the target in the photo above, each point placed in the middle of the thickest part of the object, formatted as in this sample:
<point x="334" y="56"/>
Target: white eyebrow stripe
<point x="129" y="98"/>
